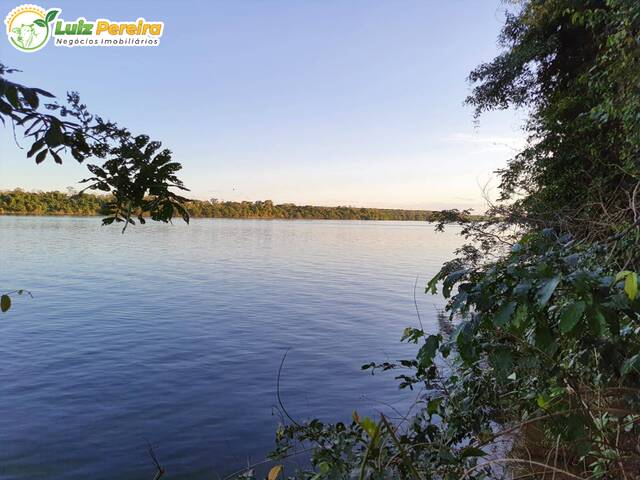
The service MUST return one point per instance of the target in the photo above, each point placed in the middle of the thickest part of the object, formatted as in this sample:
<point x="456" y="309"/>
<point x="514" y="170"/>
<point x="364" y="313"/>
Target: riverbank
<point x="19" y="202"/>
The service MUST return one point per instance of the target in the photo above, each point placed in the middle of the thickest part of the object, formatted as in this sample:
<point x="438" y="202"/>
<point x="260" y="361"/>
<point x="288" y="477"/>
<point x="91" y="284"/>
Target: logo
<point x="29" y="28"/>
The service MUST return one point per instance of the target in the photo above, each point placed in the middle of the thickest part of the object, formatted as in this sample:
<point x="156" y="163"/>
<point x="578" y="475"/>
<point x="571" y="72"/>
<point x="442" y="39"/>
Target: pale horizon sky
<point x="339" y="102"/>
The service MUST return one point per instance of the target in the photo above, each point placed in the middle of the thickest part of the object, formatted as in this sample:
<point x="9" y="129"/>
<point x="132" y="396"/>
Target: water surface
<point x="173" y="334"/>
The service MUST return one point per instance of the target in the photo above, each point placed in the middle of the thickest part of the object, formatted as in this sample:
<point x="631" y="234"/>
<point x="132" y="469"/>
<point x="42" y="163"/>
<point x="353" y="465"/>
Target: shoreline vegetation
<point x="55" y="203"/>
<point x="540" y="377"/>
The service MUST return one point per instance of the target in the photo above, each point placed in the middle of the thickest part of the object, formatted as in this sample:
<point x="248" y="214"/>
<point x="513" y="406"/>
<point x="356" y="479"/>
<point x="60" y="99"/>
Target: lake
<point x="174" y="334"/>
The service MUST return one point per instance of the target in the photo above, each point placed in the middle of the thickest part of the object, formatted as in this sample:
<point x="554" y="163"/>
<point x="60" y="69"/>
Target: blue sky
<point x="333" y="102"/>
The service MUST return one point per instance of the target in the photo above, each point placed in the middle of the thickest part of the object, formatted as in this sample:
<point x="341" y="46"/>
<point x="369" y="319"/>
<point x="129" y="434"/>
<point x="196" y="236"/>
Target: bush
<point x="547" y="346"/>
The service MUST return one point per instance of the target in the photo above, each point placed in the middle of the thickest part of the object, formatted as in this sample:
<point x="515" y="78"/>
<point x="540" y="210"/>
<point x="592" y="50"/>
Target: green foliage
<point x="574" y="67"/>
<point x="546" y="336"/>
<point x="140" y="178"/>
<point x="267" y="209"/>
<point x="19" y="202"/>
<point x="56" y="203"/>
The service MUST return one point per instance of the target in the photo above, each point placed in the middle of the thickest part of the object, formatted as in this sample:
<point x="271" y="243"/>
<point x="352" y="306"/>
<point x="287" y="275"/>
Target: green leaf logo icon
<point x="51" y="15"/>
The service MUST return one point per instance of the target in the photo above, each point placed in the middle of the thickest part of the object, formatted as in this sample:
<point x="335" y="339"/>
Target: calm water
<point x="174" y="334"/>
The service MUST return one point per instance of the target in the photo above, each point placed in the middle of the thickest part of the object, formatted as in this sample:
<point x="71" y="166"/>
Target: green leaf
<point x="427" y="352"/>
<point x="522" y="289"/>
<point x="56" y="157"/>
<point x="432" y="286"/>
<point x="571" y="315"/>
<point x="37" y="145"/>
<point x="12" y="95"/>
<point x="502" y="361"/>
<point x="463" y="338"/>
<point x="622" y="275"/>
<point x="472" y="452"/>
<point x="450" y="281"/>
<point x="544" y="399"/>
<point x="30" y="96"/>
<point x="598" y="323"/>
<point x="411" y="334"/>
<point x="43" y="92"/>
<point x="630" y="365"/>
<point x="544" y="339"/>
<point x="504" y="314"/>
<point x="459" y="301"/>
<point x="520" y="315"/>
<point x="546" y="290"/>
<point x="51" y="15"/>
<point x="5" y="303"/>
<point x="41" y="156"/>
<point x="369" y="426"/>
<point x="631" y="285"/>
<point x="39" y="22"/>
<point x="433" y="405"/>
<point x="611" y="321"/>
<point x="54" y="136"/>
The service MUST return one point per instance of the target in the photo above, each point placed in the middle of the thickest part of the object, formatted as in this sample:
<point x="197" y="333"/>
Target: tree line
<point x="20" y="202"/>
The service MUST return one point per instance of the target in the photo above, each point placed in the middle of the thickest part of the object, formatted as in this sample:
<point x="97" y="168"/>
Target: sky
<point x="332" y="102"/>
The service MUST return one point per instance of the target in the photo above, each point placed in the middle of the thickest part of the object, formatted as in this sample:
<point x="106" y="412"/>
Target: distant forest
<point x="19" y="202"/>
